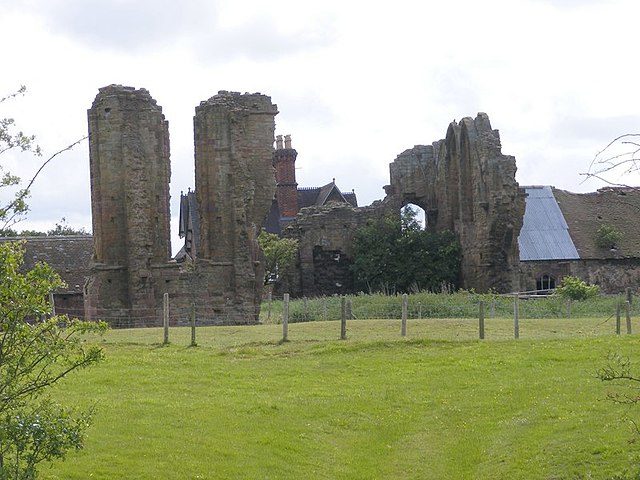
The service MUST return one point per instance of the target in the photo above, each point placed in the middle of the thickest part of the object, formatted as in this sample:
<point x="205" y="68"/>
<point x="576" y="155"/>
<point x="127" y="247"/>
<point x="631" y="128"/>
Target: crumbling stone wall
<point x="325" y="236"/>
<point x="465" y="184"/>
<point x="130" y="170"/>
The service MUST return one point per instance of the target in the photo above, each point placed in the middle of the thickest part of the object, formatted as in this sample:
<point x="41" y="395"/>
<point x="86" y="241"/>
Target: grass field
<point x="437" y="405"/>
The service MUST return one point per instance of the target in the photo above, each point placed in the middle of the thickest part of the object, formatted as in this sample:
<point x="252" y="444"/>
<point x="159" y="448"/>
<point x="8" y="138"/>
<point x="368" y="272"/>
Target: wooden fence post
<point x="405" y="308"/>
<point x="349" y="310"/>
<point x="618" y="317"/>
<point x="628" y="313"/>
<point x="481" y="320"/>
<point x="516" y="317"/>
<point x="343" y="318"/>
<point x="629" y="295"/>
<point x="193" y="325"/>
<point x="269" y="299"/>
<point x="165" y="317"/>
<point x="419" y="310"/>
<point x="285" y="318"/>
<point x="492" y="312"/>
<point x="568" y="308"/>
<point x="324" y="308"/>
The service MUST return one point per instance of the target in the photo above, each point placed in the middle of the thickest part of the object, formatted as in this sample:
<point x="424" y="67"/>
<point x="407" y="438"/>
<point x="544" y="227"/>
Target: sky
<point x="356" y="83"/>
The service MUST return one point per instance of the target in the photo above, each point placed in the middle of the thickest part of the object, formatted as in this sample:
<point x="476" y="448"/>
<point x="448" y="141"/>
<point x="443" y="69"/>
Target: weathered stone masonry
<point x="235" y="186"/>
<point x="465" y="184"/>
<point x="129" y="155"/>
<point x="130" y="170"/>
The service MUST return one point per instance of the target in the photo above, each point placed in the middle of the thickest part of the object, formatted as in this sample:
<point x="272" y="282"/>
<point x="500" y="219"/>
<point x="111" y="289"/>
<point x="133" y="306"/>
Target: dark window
<point x="545" y="283"/>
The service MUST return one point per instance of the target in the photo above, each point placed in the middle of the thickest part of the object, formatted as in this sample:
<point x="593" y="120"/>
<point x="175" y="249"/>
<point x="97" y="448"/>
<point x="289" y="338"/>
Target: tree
<point x="280" y="255"/>
<point x="63" y="228"/>
<point x="395" y="254"/>
<point x="35" y="354"/>
<point x="12" y="139"/>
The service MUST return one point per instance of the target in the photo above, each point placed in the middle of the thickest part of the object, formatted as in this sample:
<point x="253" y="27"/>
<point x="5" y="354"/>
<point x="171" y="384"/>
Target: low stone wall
<point x="611" y="275"/>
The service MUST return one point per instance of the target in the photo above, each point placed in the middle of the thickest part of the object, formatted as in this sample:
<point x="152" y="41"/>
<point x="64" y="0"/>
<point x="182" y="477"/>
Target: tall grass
<point x="462" y="304"/>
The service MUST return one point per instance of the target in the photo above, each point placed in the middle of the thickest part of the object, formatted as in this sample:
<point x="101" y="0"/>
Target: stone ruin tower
<point x="130" y="173"/>
<point x="234" y="188"/>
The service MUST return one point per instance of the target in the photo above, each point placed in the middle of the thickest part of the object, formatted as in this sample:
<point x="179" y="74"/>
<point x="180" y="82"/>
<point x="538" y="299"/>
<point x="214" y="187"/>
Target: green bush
<point x="572" y="288"/>
<point x="607" y="237"/>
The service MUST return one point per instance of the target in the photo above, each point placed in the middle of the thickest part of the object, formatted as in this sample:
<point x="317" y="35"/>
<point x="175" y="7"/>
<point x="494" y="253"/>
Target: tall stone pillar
<point x="130" y="173"/>
<point x="234" y="135"/>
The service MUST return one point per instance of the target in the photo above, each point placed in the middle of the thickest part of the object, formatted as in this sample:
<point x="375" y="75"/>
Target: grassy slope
<point x="243" y="406"/>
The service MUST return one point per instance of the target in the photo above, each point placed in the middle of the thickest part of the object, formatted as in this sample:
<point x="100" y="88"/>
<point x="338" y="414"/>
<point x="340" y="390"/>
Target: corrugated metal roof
<point x="544" y="234"/>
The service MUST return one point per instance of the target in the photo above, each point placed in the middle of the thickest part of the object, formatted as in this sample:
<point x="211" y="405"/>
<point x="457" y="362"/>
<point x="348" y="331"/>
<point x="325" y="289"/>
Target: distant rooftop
<point x="545" y="233"/>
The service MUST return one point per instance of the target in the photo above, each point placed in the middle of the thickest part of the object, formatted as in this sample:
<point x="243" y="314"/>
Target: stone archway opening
<point x="412" y="214"/>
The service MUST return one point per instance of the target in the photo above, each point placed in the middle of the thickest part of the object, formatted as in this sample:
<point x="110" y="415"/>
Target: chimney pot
<point x="287" y="141"/>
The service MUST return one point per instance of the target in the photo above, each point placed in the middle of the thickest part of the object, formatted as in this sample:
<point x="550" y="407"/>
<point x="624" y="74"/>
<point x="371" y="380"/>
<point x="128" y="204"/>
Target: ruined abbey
<point x="512" y="237"/>
<point x="132" y="268"/>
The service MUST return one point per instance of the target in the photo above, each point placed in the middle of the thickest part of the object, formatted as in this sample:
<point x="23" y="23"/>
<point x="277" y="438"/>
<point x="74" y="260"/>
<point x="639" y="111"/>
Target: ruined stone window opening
<point x="545" y="283"/>
<point x="420" y="216"/>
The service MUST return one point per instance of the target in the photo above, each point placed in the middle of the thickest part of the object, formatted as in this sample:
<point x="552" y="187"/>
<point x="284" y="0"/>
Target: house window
<point x="545" y="283"/>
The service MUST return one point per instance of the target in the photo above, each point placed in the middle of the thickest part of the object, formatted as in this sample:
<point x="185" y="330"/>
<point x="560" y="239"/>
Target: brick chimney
<point x="284" y="162"/>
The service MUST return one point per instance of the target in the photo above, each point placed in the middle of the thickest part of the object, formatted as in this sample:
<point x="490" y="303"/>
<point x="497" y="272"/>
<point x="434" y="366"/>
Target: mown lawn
<point x="243" y="406"/>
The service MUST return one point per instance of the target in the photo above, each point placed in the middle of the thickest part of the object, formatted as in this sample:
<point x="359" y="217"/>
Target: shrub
<point x="572" y="288"/>
<point x="607" y="237"/>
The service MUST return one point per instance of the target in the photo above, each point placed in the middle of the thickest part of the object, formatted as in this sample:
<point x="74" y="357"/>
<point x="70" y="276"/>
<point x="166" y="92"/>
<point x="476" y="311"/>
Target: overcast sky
<point x="356" y="82"/>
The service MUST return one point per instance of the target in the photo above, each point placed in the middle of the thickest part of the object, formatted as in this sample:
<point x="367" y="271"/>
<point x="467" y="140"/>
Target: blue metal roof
<point x="545" y="233"/>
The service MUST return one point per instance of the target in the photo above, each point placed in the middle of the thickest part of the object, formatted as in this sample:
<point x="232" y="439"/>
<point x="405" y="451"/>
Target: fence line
<point x="404" y="308"/>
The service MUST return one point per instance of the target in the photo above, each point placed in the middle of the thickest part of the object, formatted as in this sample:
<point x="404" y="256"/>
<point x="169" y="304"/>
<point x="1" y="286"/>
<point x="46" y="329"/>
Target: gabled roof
<point x="318" y="196"/>
<point x="545" y="233"/>
<point x="69" y="255"/>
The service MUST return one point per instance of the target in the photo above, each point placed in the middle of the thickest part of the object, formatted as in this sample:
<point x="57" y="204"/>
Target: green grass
<point x="436" y="405"/>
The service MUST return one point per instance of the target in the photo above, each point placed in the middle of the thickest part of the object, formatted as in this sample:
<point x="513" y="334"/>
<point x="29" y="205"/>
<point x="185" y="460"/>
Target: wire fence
<point x="460" y="316"/>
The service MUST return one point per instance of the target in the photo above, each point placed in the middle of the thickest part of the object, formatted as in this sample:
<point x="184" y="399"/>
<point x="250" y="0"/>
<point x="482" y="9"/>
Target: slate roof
<point x="585" y="213"/>
<point x="69" y="255"/>
<point x="309" y="197"/>
<point x="318" y="196"/>
<point x="545" y="233"/>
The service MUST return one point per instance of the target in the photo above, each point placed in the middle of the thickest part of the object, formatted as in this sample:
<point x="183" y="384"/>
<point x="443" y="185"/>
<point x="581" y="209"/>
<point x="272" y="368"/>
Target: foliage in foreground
<point x="396" y="255"/>
<point x="35" y="354"/>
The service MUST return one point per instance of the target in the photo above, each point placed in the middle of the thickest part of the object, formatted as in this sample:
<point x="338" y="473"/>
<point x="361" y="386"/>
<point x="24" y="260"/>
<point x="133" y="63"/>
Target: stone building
<point x="290" y="198"/>
<point x="132" y="267"/>
<point x="559" y="238"/>
<point x="512" y="238"/>
<point x="464" y="184"/>
<point x="70" y="257"/>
